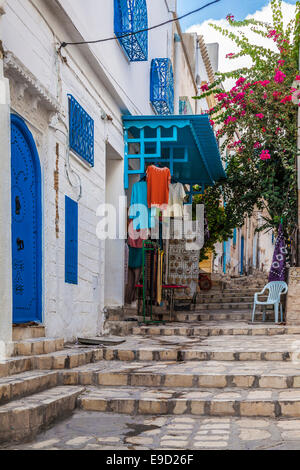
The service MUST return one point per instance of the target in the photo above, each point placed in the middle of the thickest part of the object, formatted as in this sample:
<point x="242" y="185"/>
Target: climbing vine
<point x="256" y="124"/>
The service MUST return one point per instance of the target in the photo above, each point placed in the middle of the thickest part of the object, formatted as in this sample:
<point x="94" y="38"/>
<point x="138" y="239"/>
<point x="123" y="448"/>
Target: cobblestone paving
<point x="98" y="431"/>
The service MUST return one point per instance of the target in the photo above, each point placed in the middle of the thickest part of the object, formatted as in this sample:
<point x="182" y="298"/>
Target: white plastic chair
<point x="275" y="288"/>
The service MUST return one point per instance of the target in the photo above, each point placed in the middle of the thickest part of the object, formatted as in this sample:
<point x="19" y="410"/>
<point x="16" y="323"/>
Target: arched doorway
<point x="26" y="224"/>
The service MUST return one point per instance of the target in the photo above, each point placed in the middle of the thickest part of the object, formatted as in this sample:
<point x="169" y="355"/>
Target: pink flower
<point x="277" y="130"/>
<point x="279" y="76"/>
<point x="260" y="115"/>
<point x="212" y="122"/>
<point x="204" y="87"/>
<point x="264" y="129"/>
<point x="229" y="17"/>
<point x="229" y="55"/>
<point x="265" y="82"/>
<point x="230" y="119"/>
<point x="281" y="62"/>
<point x="221" y="96"/>
<point x="271" y="33"/>
<point x="297" y="78"/>
<point x="240" y="81"/>
<point x="265" y="155"/>
<point x="257" y="145"/>
<point x="286" y="99"/>
<point x="251" y="92"/>
<point x="276" y="94"/>
<point x="265" y="96"/>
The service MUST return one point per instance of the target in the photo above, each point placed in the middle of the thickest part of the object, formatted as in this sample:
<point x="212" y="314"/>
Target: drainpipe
<point x="6" y="314"/>
<point x="178" y="67"/>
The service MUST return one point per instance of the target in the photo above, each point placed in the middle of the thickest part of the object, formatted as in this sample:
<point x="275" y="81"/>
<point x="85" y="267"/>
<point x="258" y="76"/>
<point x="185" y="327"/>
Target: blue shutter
<point x="71" y="241"/>
<point x="131" y="16"/>
<point x="81" y="131"/>
<point x="162" y="86"/>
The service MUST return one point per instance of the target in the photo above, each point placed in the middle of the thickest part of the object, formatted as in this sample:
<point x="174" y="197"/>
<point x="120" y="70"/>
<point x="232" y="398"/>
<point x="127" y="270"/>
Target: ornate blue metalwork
<point x="162" y="86"/>
<point x="131" y="16"/>
<point x="26" y="224"/>
<point x="81" y="130"/>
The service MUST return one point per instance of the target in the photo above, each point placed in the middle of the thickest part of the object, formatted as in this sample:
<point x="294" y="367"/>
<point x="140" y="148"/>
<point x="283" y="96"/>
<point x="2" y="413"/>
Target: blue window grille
<point x="71" y="241"/>
<point x="81" y="130"/>
<point x="131" y="16"/>
<point x="162" y="86"/>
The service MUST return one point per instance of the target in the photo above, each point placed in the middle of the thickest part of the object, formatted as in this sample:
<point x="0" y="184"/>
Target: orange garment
<point x="158" y="181"/>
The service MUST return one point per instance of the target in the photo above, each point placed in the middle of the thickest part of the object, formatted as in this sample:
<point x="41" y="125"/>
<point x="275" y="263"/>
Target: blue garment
<point x="144" y="218"/>
<point x="135" y="258"/>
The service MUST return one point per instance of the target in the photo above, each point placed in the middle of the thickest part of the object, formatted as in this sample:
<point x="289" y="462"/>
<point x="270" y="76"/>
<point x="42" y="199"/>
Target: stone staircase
<point x="209" y="363"/>
<point x="32" y="391"/>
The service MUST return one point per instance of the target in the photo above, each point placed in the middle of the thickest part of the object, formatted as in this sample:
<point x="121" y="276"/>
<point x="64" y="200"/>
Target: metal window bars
<point x="131" y="16"/>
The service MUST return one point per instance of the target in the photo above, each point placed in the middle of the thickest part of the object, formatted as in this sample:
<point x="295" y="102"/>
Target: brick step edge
<point x="23" y="419"/>
<point x="198" y="407"/>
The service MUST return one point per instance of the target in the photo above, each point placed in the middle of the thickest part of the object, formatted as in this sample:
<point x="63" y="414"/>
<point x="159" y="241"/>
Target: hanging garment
<point x="278" y="268"/>
<point x="133" y="279"/>
<point x="158" y="181"/>
<point x="177" y="195"/>
<point x="135" y="258"/>
<point x="136" y="237"/>
<point x="143" y="218"/>
<point x="183" y="266"/>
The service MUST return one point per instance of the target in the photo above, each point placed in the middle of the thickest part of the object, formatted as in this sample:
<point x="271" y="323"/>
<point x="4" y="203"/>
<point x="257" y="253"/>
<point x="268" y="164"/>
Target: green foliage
<point x="256" y="122"/>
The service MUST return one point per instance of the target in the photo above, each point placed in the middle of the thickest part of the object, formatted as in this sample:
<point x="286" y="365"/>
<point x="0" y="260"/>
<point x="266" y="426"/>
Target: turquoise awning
<point x="185" y="143"/>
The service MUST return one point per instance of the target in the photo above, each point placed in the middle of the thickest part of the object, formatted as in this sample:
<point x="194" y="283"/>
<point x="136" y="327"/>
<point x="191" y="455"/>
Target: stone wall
<point x="293" y="297"/>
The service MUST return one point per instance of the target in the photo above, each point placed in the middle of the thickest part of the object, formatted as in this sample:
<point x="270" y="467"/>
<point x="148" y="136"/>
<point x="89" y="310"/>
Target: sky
<point x="241" y="9"/>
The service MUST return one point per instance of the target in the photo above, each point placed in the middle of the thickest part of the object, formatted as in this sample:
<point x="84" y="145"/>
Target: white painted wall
<point x="103" y="81"/>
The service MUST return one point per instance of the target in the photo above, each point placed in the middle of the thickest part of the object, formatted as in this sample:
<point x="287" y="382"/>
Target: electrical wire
<point x="65" y="44"/>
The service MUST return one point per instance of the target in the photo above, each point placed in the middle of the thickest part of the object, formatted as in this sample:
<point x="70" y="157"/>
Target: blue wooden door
<point x="26" y="225"/>
<point x="242" y="254"/>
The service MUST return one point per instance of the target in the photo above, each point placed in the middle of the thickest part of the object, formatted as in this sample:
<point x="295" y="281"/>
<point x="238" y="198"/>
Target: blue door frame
<point x="26" y="224"/>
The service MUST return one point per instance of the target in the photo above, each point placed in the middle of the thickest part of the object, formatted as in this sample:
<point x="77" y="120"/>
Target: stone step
<point x="193" y="316"/>
<point x="20" y="333"/>
<point x="212" y="315"/>
<point x="224" y="300"/>
<point x="218" y="329"/>
<point x="28" y="383"/>
<point x="210" y="374"/>
<point x="196" y="329"/>
<point x="227" y="306"/>
<point x="65" y="359"/>
<point x="34" y="346"/>
<point x="211" y="402"/>
<point x="216" y="348"/>
<point x="23" y="419"/>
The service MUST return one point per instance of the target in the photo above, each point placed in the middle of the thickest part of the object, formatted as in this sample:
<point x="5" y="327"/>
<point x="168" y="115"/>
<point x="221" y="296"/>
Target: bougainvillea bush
<point x="256" y="122"/>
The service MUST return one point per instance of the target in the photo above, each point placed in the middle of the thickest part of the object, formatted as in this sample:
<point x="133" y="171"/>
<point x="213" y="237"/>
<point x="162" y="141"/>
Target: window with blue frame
<point x="131" y="16"/>
<point x="81" y="131"/>
<point x="71" y="241"/>
<point x="162" y="86"/>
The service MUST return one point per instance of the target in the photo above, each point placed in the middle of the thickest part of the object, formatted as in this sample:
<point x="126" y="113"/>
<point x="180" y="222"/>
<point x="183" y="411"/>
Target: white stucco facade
<point x="39" y="76"/>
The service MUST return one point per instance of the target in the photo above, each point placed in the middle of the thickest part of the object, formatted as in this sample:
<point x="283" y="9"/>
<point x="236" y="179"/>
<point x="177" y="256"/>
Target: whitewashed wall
<point x="102" y="80"/>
